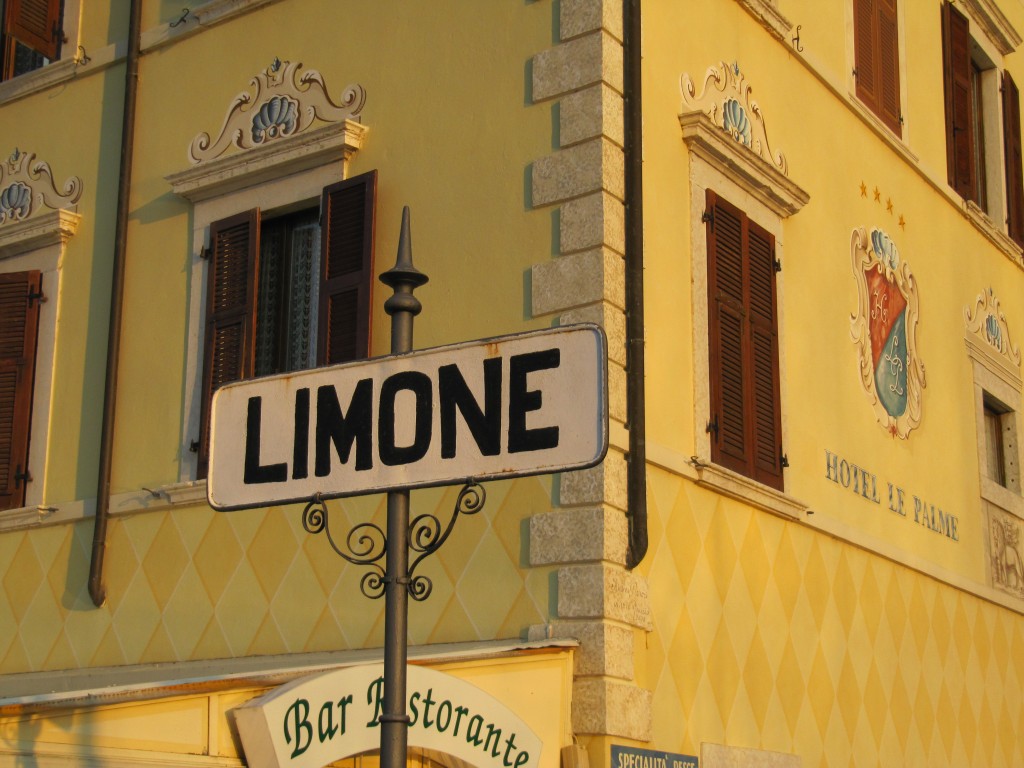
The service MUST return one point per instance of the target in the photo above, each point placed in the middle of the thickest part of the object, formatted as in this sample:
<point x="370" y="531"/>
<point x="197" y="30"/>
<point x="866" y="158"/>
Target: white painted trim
<point x="328" y="144"/>
<point x="994" y="24"/>
<point x="206" y="15"/>
<point x="36" y="232"/>
<point x="756" y="176"/>
<point x="769" y="16"/>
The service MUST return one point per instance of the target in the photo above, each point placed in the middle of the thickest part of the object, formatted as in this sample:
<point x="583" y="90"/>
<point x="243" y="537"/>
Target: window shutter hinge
<point x="33" y="295"/>
<point x="854" y="73"/>
<point x="777" y="263"/>
<point x="712" y="427"/>
<point x="21" y="476"/>
<point x="783" y="460"/>
<point x="56" y="33"/>
<point x="194" y="446"/>
<point x="708" y="217"/>
<point x="204" y="253"/>
<point x="901" y="118"/>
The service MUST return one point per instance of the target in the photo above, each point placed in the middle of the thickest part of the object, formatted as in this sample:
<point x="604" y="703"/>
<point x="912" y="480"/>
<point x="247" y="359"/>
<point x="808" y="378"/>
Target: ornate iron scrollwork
<point x="426" y="536"/>
<point x="367" y="544"/>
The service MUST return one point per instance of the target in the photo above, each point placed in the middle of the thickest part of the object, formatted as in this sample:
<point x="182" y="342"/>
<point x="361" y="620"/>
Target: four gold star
<point x="889" y="205"/>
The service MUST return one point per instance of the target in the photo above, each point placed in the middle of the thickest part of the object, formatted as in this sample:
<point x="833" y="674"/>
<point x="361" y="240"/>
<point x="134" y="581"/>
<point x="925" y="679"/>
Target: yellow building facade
<point x="799" y="224"/>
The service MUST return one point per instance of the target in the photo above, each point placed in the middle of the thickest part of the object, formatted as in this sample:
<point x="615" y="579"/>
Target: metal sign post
<point x="402" y="306"/>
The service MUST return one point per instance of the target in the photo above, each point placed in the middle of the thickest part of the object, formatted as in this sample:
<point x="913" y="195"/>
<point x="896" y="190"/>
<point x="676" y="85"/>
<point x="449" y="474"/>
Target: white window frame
<point x="38" y="243"/>
<point x="290" y="173"/>
<point x="767" y="196"/>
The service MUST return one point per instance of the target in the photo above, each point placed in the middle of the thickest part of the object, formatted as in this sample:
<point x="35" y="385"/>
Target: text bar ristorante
<point x="517" y="405"/>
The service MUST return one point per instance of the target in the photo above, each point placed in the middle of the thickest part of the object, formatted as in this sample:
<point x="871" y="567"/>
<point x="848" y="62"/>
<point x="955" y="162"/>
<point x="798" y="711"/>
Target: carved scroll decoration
<point x="987" y="321"/>
<point x="884" y="328"/>
<point x="27" y="184"/>
<point x="725" y="97"/>
<point x="283" y="103"/>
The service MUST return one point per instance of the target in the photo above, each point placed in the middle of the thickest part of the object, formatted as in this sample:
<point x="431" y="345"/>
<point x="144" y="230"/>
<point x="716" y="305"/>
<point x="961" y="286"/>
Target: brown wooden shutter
<point x="727" y="354"/>
<point x="19" y="322"/>
<point x="36" y="24"/>
<point x="889" y="66"/>
<point x="956" y="72"/>
<point x="746" y="418"/>
<point x="877" y="59"/>
<point x="346" y="263"/>
<point x="764" y="358"/>
<point x="230" y="311"/>
<point x="1013" y="158"/>
<point x="865" y="54"/>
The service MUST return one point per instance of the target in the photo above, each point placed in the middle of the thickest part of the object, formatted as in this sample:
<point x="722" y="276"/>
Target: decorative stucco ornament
<point x="1007" y="553"/>
<point x="987" y="322"/>
<point x="884" y="327"/>
<point x="26" y="185"/>
<point x="282" y="103"/>
<point x="725" y="97"/>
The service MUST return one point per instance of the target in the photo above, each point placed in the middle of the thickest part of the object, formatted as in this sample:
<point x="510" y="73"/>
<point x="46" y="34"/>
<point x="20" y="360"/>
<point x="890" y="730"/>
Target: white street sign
<point x="527" y="404"/>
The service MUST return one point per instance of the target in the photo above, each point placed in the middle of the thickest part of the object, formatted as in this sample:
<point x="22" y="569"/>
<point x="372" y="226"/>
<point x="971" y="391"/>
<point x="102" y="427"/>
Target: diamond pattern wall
<point x="197" y="584"/>
<point x="771" y="635"/>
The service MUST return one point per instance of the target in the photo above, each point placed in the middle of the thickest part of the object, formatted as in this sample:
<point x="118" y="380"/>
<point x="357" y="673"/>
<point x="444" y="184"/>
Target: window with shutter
<point x="746" y="422"/>
<point x="1013" y="160"/>
<point x="288" y="292"/>
<point x="877" y="59"/>
<point x="974" y="89"/>
<point x="19" y="319"/>
<point x="32" y="35"/>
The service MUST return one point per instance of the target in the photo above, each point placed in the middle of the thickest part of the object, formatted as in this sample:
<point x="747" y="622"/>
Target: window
<point x="1000" y="443"/>
<point x="746" y="421"/>
<point x="31" y="37"/>
<point x="877" y="59"/>
<point x="19" y="322"/>
<point x="972" y="85"/>
<point x="288" y="291"/>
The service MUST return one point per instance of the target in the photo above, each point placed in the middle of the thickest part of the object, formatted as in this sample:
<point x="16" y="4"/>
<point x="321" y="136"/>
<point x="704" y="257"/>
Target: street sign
<point x="527" y="404"/>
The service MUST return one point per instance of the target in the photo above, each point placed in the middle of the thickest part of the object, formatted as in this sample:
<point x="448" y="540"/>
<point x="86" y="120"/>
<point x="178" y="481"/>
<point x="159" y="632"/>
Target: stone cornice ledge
<point x="988" y="228"/>
<point x="757" y="176"/>
<point x="206" y="15"/>
<point x="337" y="141"/>
<point x="52" y="228"/>
<point x="998" y="28"/>
<point x="978" y="351"/>
<point x="38" y="80"/>
<point x="764" y="11"/>
<point x="740" y="487"/>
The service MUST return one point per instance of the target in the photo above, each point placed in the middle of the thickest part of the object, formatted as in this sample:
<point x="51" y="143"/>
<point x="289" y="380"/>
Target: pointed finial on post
<point x="403" y="278"/>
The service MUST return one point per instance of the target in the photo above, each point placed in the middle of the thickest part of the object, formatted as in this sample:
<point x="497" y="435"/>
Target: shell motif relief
<point x="15" y="202"/>
<point x="735" y="122"/>
<point x="275" y="118"/>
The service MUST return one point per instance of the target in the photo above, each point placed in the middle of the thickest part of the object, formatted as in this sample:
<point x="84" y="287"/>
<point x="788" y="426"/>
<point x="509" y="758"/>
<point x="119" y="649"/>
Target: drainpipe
<point x="97" y="590"/>
<point x="636" y="459"/>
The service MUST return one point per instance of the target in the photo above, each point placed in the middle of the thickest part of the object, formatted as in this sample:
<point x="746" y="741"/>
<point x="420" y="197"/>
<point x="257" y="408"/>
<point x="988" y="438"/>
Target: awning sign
<point x="533" y="403"/>
<point x="316" y="720"/>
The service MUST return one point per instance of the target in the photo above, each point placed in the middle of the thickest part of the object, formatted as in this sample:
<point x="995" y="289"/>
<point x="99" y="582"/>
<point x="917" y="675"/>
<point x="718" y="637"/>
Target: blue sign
<point x="631" y="757"/>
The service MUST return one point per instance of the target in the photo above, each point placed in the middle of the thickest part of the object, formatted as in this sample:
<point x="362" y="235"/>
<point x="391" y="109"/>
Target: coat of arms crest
<point x="884" y="328"/>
